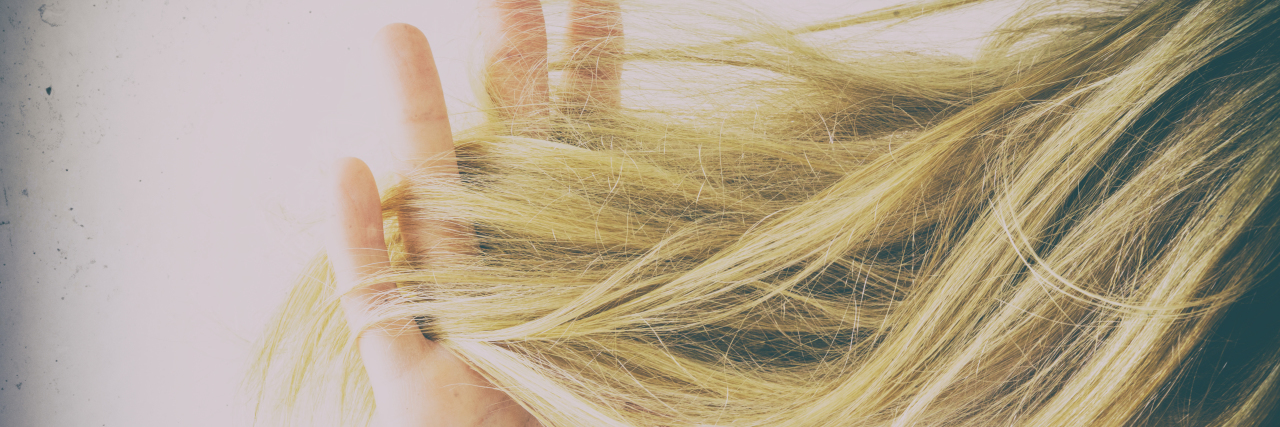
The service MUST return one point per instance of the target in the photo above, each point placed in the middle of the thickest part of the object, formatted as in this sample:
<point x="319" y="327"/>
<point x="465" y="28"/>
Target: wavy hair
<point x="1076" y="226"/>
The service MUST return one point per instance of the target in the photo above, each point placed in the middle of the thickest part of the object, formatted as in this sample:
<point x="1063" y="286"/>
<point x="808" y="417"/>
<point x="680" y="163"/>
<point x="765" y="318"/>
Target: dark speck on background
<point x="48" y="90"/>
<point x="52" y="14"/>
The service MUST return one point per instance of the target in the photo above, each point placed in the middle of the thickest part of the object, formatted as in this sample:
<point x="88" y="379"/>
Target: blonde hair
<point x="1076" y="227"/>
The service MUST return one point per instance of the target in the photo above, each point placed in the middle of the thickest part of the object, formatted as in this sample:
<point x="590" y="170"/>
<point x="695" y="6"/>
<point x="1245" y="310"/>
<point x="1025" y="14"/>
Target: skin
<point x="595" y="46"/>
<point x="416" y="381"/>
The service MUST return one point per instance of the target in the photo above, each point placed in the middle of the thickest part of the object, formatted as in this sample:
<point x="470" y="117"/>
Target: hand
<point x="416" y="381"/>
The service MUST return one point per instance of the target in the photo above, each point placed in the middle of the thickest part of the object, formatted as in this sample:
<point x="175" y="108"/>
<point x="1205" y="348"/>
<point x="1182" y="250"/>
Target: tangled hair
<point x="1078" y="226"/>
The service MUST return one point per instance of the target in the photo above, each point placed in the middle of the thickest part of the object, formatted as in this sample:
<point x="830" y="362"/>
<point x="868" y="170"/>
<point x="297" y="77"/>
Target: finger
<point x="421" y="99"/>
<point x="427" y="139"/>
<point x="415" y="381"/>
<point x="595" y="54"/>
<point x="516" y="58"/>
<point x="357" y="248"/>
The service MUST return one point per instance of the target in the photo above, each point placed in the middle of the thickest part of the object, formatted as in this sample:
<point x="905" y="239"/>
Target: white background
<point x="160" y="162"/>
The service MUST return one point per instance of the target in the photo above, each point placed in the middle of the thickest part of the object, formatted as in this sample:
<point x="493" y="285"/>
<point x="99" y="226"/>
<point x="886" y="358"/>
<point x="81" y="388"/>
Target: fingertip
<point x="352" y="174"/>
<point x="399" y="33"/>
<point x="415" y="89"/>
<point x="357" y="210"/>
<point x="408" y="50"/>
<point x="355" y="189"/>
<point x="350" y="166"/>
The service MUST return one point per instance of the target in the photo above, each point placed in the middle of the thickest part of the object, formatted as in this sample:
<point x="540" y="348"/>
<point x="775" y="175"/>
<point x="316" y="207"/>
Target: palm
<point x="416" y="381"/>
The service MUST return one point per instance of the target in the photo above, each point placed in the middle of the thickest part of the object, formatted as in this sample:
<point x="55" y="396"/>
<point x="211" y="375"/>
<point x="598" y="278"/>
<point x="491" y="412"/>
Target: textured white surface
<point x="156" y="198"/>
<point x="159" y="162"/>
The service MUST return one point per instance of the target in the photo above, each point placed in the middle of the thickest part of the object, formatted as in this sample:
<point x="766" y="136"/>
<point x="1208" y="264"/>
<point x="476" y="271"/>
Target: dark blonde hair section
<point x="1076" y="227"/>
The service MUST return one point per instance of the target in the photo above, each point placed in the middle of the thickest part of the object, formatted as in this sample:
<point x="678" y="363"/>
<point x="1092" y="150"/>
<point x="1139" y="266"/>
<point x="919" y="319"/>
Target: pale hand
<point x="417" y="382"/>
